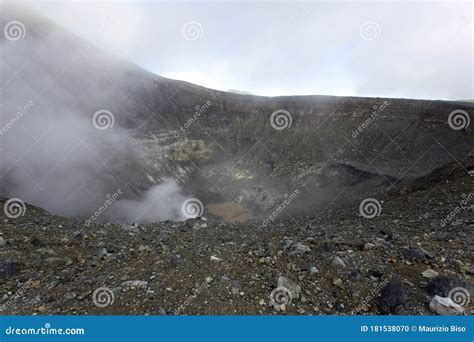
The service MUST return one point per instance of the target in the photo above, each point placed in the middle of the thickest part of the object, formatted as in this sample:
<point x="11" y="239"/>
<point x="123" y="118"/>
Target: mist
<point x="343" y="48"/>
<point x="58" y="152"/>
<point x="80" y="126"/>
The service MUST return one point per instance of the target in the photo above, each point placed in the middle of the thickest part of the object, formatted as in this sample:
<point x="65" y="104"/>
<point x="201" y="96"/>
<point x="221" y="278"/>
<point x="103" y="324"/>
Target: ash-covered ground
<point x="417" y="245"/>
<point x="125" y="192"/>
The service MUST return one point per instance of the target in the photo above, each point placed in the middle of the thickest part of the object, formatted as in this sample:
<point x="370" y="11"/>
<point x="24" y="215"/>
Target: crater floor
<point x="336" y="262"/>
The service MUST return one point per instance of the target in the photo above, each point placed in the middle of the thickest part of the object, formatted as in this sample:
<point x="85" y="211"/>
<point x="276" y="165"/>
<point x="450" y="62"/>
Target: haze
<point x="411" y="50"/>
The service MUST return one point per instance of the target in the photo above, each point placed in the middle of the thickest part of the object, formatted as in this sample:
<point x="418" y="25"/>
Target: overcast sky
<point x="401" y="49"/>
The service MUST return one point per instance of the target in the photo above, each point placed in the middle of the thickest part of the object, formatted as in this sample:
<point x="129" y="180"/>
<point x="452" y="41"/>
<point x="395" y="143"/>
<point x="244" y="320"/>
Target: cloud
<point x="421" y="49"/>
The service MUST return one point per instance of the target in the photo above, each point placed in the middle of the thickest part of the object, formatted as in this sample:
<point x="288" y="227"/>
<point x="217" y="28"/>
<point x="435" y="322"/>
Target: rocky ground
<point x="318" y="255"/>
<point x="419" y="247"/>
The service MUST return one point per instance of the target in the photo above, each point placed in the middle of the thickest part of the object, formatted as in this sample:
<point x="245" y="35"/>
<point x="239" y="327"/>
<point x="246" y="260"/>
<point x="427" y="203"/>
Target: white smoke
<point x="52" y="154"/>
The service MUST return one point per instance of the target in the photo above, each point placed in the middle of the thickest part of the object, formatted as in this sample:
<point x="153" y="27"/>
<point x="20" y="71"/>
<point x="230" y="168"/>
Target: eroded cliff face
<point x="223" y="148"/>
